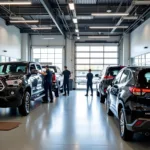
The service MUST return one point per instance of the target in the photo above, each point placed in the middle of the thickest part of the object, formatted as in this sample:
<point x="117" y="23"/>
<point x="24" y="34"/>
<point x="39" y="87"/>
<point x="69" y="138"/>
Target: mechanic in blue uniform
<point x="89" y="78"/>
<point x="67" y="75"/>
<point x="47" y="84"/>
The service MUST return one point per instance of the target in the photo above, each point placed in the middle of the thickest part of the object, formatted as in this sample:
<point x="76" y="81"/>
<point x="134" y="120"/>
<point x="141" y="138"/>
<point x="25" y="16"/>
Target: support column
<point x="126" y="49"/>
<point x="24" y="47"/>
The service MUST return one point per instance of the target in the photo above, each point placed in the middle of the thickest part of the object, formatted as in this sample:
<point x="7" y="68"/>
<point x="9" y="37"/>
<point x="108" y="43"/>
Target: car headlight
<point x="14" y="82"/>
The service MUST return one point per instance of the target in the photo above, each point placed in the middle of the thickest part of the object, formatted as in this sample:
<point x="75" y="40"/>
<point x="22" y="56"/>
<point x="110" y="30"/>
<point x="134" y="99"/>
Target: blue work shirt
<point x="89" y="77"/>
<point x="48" y="77"/>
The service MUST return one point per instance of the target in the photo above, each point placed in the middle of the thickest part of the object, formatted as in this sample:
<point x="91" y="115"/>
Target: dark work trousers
<point x="48" y="88"/>
<point x="66" y="85"/>
<point x="89" y="85"/>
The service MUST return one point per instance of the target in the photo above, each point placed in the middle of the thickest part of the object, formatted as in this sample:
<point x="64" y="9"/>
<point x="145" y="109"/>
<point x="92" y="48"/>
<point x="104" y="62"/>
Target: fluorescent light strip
<point x="42" y="28"/>
<point x="109" y="14"/>
<point x="130" y="18"/>
<point x="16" y="3"/>
<point x="141" y="2"/>
<point x="98" y="37"/>
<point x="16" y="18"/>
<point x="77" y="30"/>
<point x="48" y="38"/>
<point x="75" y="20"/>
<point x="71" y="6"/>
<point x="109" y="27"/>
<point x="78" y="38"/>
<point x="24" y="21"/>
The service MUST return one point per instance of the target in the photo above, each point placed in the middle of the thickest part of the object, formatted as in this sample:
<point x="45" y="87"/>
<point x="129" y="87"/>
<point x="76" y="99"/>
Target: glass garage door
<point x="95" y="58"/>
<point x="48" y="55"/>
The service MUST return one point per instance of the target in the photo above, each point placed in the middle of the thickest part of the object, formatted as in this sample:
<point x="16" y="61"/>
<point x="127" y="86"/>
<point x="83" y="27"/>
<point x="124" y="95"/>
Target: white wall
<point x="37" y="40"/>
<point x="140" y="38"/>
<point x="10" y="40"/>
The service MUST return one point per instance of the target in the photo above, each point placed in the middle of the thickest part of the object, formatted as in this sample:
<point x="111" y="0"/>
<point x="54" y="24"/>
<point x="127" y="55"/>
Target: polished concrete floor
<point x="70" y="123"/>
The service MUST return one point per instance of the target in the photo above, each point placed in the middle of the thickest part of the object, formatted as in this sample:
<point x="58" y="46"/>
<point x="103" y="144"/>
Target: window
<point x="124" y="76"/>
<point x="38" y="67"/>
<point x="32" y="67"/>
<point x="53" y="56"/>
<point x="117" y="79"/>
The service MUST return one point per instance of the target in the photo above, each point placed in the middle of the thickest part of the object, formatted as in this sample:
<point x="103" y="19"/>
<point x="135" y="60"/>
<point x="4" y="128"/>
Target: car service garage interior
<point x="74" y="74"/>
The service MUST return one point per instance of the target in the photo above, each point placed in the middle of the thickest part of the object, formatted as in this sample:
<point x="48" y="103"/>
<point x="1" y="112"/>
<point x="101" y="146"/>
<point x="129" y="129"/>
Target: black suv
<point x="105" y="79"/>
<point x="128" y="98"/>
<point x="57" y="79"/>
<point x="20" y="83"/>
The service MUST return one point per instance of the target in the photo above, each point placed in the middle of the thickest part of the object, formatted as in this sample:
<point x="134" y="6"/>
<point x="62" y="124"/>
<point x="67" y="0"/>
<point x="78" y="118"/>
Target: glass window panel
<point x="85" y="55"/>
<point x="81" y="73"/>
<point x="58" y="61"/>
<point x="110" y="61"/>
<point x="58" y="56"/>
<point x="96" y="48"/>
<point x="111" y="55"/>
<point x="148" y="56"/>
<point x="51" y="61"/>
<point x="43" y="60"/>
<point x="96" y="67"/>
<point x="143" y="56"/>
<point x="83" y="61"/>
<point x="43" y="50"/>
<point x="96" y="55"/>
<point x="58" y="50"/>
<point x="82" y="67"/>
<point x="96" y="61"/>
<point x="59" y="65"/>
<point x="111" y="48"/>
<point x="51" y="56"/>
<point x="3" y="59"/>
<point x="82" y="48"/>
<point x="43" y="55"/>
<point x="36" y="50"/>
<point x="36" y="55"/>
<point x="50" y="50"/>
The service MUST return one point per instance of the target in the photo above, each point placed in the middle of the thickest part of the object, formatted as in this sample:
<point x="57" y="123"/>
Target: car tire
<point x="125" y="134"/>
<point x="102" y="98"/>
<point x="56" y="93"/>
<point x="109" y="112"/>
<point x="24" y="108"/>
<point x="97" y="93"/>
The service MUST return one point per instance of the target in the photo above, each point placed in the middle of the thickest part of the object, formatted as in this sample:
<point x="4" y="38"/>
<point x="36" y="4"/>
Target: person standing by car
<point x="67" y="75"/>
<point x="47" y="84"/>
<point x="89" y="78"/>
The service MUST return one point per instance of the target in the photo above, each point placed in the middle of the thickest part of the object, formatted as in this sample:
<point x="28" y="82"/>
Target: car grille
<point x="1" y="86"/>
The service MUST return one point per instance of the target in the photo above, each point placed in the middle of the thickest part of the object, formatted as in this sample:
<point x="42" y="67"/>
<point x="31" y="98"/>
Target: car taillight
<point x="108" y="77"/>
<point x="54" y="78"/>
<point x="138" y="91"/>
<point x="138" y="123"/>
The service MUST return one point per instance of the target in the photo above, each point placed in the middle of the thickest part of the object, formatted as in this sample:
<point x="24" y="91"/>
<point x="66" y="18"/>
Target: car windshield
<point x="13" y="68"/>
<point x="144" y="78"/>
<point x="113" y="71"/>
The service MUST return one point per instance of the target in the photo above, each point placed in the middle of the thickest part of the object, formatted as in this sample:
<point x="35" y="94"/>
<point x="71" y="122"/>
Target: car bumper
<point x="139" y="125"/>
<point x="11" y="97"/>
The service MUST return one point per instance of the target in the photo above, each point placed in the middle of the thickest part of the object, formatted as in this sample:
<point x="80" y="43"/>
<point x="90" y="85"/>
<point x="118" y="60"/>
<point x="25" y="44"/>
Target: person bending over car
<point x="47" y="84"/>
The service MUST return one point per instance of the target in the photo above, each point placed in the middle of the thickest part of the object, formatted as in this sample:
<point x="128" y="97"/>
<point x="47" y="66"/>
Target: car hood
<point x="10" y="76"/>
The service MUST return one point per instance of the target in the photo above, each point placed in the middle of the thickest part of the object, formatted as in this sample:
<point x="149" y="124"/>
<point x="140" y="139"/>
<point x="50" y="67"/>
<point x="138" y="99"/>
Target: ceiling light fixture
<point x="16" y="3"/>
<point x="78" y="38"/>
<point x="109" y="27"/>
<point x="75" y="20"/>
<point x="109" y="14"/>
<point x="98" y="37"/>
<point x="141" y="2"/>
<point x="76" y="30"/>
<point x="109" y="11"/>
<point x="16" y="18"/>
<point x="48" y="38"/>
<point x="71" y="6"/>
<point x="24" y="21"/>
<point x="130" y="18"/>
<point x="41" y="28"/>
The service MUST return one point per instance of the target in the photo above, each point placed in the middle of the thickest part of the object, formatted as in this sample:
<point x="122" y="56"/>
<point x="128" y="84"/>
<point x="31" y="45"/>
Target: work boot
<point x="86" y="94"/>
<point x="64" y="94"/>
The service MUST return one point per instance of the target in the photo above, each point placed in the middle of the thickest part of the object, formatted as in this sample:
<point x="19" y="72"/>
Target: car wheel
<point x="124" y="132"/>
<point x="109" y="112"/>
<point x="57" y="93"/>
<point x="102" y="98"/>
<point x="24" y="109"/>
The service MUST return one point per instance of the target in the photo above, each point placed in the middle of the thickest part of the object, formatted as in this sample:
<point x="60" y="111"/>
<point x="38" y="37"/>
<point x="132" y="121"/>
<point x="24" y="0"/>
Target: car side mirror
<point x="97" y="75"/>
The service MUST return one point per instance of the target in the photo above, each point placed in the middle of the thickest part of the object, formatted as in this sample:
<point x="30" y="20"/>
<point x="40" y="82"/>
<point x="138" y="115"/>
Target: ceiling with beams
<point x="59" y="16"/>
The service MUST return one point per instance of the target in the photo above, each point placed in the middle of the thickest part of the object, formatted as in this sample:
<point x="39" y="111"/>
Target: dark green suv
<point x="19" y="84"/>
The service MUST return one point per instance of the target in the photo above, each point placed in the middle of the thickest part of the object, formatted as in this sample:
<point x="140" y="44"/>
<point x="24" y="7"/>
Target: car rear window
<point x="144" y="78"/>
<point x="113" y="71"/>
